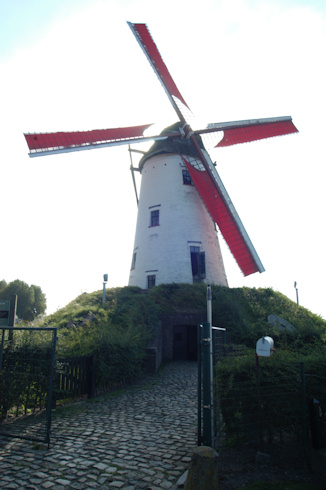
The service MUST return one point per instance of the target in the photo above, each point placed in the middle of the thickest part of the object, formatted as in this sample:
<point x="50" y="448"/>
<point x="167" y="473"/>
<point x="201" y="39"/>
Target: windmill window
<point x="151" y="281"/>
<point x="155" y="217"/>
<point x="133" y="262"/>
<point x="198" y="264"/>
<point x="186" y="177"/>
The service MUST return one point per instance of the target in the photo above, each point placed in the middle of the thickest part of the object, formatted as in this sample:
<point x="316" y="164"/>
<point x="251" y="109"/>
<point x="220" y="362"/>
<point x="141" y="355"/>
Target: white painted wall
<point x="164" y="250"/>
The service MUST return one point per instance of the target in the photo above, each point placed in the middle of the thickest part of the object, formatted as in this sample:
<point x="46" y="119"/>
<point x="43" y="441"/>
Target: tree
<point x="39" y="300"/>
<point x="31" y="300"/>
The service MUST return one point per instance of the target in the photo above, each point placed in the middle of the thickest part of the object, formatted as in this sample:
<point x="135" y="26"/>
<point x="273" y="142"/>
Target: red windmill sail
<point x="210" y="186"/>
<point x="207" y="181"/>
<point x="46" y="143"/>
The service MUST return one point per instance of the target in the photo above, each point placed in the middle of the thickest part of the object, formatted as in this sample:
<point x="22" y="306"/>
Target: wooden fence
<point x="74" y="377"/>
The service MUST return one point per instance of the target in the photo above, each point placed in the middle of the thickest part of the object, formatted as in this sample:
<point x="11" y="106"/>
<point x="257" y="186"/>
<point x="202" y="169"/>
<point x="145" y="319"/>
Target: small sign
<point x="265" y="347"/>
<point x="4" y="313"/>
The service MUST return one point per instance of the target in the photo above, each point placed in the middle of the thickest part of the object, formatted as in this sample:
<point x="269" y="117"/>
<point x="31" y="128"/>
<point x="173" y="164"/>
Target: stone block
<point x="203" y="472"/>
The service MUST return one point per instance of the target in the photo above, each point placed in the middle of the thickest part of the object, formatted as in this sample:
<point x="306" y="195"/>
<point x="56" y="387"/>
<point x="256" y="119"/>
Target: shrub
<point x="265" y="399"/>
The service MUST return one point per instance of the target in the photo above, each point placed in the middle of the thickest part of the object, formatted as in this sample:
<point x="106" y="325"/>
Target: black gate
<point x="27" y="358"/>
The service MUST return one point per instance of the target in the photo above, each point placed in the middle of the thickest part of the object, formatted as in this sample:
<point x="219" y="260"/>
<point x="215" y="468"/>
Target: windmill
<point x="182" y="197"/>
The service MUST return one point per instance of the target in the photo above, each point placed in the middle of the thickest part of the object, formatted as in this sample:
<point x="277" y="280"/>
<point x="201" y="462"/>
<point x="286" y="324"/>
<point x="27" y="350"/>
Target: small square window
<point x="186" y="177"/>
<point x="155" y="217"/>
<point x="133" y="262"/>
<point x="151" y="281"/>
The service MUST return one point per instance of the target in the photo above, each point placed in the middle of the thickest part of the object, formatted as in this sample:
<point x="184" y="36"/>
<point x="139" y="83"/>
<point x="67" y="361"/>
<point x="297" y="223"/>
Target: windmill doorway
<point x="185" y="343"/>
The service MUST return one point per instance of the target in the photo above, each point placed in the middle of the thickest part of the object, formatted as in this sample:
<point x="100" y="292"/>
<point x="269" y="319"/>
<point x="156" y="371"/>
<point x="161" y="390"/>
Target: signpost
<point x="8" y="313"/>
<point x="4" y="313"/>
<point x="7" y="319"/>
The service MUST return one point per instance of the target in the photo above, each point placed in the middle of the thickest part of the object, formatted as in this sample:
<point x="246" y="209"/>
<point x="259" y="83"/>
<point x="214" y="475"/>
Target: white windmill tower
<point x="176" y="238"/>
<point x="182" y="196"/>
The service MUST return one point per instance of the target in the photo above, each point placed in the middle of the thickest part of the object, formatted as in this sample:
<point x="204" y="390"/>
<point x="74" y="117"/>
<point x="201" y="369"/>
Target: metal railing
<point x="26" y="382"/>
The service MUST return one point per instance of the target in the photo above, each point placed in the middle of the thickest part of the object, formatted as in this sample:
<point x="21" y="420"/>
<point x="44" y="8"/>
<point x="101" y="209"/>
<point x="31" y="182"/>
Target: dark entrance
<point x="185" y="342"/>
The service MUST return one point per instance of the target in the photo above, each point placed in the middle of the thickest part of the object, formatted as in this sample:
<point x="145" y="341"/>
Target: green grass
<point x="130" y="314"/>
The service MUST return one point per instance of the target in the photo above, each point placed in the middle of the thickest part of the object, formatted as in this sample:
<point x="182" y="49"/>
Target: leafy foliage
<point x="127" y="319"/>
<point x="267" y="396"/>
<point x="117" y="333"/>
<point x="31" y="300"/>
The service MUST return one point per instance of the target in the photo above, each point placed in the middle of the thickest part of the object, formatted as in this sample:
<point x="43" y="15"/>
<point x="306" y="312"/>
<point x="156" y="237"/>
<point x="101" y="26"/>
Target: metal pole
<point x="207" y="386"/>
<point x="105" y="279"/>
<point x="210" y="321"/>
<point x="199" y="339"/>
<point x="297" y="292"/>
<point x="209" y="304"/>
<point x="133" y="174"/>
<point x="104" y="293"/>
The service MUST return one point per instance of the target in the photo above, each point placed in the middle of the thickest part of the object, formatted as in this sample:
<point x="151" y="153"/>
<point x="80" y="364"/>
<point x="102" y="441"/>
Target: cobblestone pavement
<point x="139" y="438"/>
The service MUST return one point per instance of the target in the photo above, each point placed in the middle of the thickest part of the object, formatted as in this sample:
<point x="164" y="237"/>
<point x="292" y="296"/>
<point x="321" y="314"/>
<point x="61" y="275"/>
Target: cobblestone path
<point x="139" y="438"/>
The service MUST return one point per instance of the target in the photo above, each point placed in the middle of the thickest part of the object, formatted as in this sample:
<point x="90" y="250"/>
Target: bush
<point x="116" y="333"/>
<point x="264" y="400"/>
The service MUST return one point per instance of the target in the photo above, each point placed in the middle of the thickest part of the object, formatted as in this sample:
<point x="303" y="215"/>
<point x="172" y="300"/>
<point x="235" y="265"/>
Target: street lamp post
<point x="297" y="293"/>
<point x="105" y="280"/>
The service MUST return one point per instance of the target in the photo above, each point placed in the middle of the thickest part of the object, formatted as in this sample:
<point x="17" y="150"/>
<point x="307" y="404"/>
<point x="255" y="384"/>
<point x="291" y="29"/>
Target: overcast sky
<point x="75" y="65"/>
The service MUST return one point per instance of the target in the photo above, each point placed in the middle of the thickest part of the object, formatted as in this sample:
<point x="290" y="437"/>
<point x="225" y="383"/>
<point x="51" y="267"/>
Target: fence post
<point x="50" y="386"/>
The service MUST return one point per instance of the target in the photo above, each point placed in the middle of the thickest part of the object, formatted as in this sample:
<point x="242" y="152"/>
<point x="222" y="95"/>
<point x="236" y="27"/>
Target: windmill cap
<point x="178" y="146"/>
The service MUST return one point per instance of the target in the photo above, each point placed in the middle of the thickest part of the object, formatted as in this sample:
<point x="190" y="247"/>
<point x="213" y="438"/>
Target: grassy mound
<point x="130" y="316"/>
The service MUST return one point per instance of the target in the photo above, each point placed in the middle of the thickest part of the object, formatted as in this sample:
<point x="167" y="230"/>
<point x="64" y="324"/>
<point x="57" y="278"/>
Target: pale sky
<point x="75" y="65"/>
